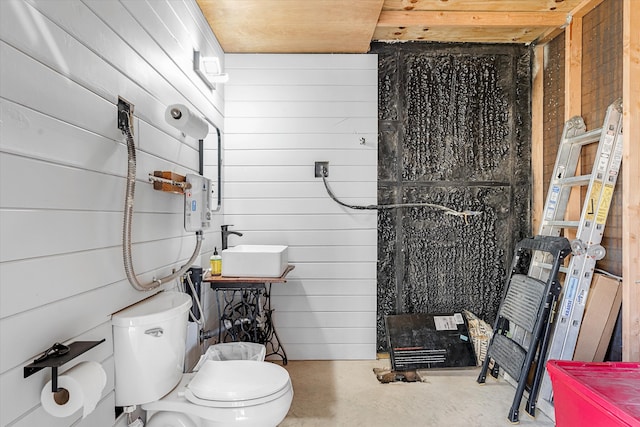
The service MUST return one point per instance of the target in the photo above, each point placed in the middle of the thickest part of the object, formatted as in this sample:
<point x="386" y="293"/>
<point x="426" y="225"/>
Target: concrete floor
<point x="347" y="393"/>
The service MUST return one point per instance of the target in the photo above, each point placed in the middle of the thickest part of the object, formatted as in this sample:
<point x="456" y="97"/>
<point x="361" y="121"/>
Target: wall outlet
<point x="322" y="169"/>
<point x="125" y="114"/>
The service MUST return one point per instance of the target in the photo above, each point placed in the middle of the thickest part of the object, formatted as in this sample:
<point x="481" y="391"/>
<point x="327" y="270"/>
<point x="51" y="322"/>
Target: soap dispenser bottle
<point x="216" y="263"/>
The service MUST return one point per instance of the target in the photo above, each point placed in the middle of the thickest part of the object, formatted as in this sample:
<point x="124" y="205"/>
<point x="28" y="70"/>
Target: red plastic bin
<point x="595" y="394"/>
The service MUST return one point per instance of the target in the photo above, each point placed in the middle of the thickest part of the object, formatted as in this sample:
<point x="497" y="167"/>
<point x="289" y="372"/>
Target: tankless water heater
<point x="198" y="201"/>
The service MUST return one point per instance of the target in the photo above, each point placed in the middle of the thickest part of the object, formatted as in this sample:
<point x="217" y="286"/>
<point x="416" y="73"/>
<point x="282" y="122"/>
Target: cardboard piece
<point x="601" y="312"/>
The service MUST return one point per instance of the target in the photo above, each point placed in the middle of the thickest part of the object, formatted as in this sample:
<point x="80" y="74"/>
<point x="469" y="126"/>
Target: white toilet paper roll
<point x="83" y="384"/>
<point x="181" y="117"/>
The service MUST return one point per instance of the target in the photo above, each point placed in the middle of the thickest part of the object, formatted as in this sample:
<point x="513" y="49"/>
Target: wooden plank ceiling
<point x="292" y="26"/>
<point x="349" y="26"/>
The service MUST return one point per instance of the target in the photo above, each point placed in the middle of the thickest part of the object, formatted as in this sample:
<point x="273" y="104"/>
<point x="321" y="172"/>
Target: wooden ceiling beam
<point x="549" y="35"/>
<point x="538" y="6"/>
<point x="585" y="7"/>
<point x="578" y="12"/>
<point x="391" y="18"/>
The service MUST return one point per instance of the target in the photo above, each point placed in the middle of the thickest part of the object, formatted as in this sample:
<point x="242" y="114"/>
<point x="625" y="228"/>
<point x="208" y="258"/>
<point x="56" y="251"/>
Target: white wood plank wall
<point x="283" y="113"/>
<point x="63" y="164"/>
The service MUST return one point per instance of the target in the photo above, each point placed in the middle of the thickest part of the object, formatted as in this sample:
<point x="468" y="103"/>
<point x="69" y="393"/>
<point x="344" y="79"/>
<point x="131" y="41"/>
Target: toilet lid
<point x="236" y="380"/>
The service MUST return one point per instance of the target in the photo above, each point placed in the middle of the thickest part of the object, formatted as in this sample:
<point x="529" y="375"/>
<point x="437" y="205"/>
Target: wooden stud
<point x="537" y="141"/>
<point x="573" y="69"/>
<point x="631" y="178"/>
<point x="573" y="102"/>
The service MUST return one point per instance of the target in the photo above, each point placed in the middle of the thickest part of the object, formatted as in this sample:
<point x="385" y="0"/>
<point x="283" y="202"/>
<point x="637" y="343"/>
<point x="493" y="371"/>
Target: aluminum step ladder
<point x="526" y="307"/>
<point x="565" y="322"/>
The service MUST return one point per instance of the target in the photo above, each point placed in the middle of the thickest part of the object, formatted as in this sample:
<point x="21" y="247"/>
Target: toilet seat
<point x="236" y="404"/>
<point x="234" y="383"/>
<point x="273" y="406"/>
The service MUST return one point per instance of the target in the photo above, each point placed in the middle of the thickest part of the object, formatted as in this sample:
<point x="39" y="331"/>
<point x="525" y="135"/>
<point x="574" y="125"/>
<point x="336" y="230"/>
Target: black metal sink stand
<point x="244" y="307"/>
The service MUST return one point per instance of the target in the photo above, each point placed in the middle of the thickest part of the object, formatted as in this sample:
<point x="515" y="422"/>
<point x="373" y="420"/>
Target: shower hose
<point x="128" y="217"/>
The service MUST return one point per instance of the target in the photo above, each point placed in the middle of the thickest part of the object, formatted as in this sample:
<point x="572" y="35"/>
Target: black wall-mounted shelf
<point x="54" y="362"/>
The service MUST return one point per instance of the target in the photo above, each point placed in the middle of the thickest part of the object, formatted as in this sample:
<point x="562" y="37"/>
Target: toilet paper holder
<point x="56" y="356"/>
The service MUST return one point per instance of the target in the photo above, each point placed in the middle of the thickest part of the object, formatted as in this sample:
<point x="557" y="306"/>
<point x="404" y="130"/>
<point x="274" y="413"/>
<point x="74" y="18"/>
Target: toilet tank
<point x="149" y="340"/>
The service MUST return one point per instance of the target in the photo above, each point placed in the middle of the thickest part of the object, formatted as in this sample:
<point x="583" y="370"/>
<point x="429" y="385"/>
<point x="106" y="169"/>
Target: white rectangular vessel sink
<point x="255" y="261"/>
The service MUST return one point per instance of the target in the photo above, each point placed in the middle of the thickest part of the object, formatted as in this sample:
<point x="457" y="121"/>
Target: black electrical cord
<point x="446" y="210"/>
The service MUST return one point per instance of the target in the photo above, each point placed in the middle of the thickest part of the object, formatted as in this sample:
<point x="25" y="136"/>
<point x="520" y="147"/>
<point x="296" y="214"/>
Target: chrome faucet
<point x="225" y="235"/>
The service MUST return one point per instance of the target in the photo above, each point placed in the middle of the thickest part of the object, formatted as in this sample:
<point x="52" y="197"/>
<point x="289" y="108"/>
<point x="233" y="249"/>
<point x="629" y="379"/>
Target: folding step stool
<point x="522" y="327"/>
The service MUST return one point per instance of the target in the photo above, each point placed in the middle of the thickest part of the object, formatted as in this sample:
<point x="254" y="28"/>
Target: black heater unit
<point x="426" y="341"/>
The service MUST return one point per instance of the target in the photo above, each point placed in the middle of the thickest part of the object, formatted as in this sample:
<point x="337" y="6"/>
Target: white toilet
<point x="149" y="349"/>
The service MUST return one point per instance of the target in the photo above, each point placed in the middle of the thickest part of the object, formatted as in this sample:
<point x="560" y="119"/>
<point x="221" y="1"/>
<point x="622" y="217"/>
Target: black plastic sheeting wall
<point x="454" y="130"/>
